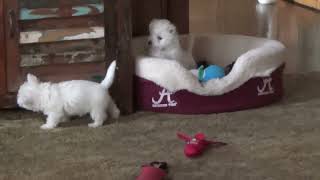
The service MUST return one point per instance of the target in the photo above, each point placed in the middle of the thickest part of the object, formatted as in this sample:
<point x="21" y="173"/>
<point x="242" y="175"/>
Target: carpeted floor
<point x="278" y="142"/>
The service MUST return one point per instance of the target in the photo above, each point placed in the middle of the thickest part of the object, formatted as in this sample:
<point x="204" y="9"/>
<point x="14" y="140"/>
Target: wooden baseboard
<point x="314" y="4"/>
<point x="8" y="101"/>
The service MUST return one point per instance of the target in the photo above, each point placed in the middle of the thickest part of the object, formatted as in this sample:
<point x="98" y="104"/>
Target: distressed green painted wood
<point x="68" y="52"/>
<point x="33" y="4"/>
<point x="72" y="57"/>
<point x="42" y="13"/>
<point x="57" y="35"/>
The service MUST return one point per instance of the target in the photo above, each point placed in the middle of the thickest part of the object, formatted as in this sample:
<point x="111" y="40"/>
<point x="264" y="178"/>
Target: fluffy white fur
<point x="164" y="43"/>
<point x="59" y="101"/>
<point x="260" y="61"/>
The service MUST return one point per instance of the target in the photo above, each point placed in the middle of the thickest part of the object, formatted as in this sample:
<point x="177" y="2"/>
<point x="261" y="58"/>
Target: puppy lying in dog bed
<point x="255" y="79"/>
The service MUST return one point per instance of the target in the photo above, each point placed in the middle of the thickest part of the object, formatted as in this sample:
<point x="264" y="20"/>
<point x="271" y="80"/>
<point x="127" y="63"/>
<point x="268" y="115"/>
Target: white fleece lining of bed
<point x="258" y="62"/>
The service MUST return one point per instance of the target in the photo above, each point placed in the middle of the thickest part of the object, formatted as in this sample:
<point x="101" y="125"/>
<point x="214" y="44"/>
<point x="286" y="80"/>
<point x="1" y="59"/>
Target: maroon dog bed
<point x="254" y="93"/>
<point x="255" y="80"/>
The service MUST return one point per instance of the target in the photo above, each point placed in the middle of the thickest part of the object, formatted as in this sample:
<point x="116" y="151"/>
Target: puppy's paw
<point x="94" y="125"/>
<point x="47" y="127"/>
<point x="65" y="119"/>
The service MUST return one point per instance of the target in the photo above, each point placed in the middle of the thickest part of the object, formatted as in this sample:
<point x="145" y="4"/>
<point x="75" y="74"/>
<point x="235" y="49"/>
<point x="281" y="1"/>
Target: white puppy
<point x="69" y="98"/>
<point x="164" y="43"/>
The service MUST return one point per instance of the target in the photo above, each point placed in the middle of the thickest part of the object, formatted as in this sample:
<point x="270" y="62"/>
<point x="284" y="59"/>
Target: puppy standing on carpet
<point x="70" y="98"/>
<point x="164" y="43"/>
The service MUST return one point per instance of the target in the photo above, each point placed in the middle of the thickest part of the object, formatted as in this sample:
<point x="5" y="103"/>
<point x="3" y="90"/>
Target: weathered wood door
<point x="3" y="89"/>
<point x="57" y="41"/>
<point x="118" y="28"/>
<point x="63" y="40"/>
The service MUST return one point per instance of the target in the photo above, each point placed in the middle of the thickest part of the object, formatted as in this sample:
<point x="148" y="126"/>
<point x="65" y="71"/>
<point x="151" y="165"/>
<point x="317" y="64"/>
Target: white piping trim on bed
<point x="258" y="62"/>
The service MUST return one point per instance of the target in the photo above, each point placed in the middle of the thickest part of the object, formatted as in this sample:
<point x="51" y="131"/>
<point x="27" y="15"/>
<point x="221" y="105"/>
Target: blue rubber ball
<point x="211" y="72"/>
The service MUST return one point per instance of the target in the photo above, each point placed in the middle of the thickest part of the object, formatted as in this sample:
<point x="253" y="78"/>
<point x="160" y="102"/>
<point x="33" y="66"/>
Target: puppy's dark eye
<point x="159" y="38"/>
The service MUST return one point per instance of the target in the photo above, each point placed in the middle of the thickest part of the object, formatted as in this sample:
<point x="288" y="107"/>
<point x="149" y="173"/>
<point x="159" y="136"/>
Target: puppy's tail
<point x="108" y="80"/>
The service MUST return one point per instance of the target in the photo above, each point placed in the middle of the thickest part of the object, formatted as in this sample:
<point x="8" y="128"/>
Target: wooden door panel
<point x="12" y="45"/>
<point x="2" y="52"/>
<point x="178" y="13"/>
<point x="143" y="11"/>
<point x="118" y="34"/>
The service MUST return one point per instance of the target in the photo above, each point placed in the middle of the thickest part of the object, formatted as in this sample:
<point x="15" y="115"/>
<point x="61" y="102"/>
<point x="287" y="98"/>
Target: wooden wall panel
<point x="12" y="36"/>
<point x="118" y="34"/>
<point x="230" y="17"/>
<point x="6" y="100"/>
<point x="178" y="13"/>
<point x="143" y="11"/>
<point x="2" y="52"/>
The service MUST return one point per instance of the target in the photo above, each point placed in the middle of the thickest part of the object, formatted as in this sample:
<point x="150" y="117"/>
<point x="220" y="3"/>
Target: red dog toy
<point x="153" y="171"/>
<point x="197" y="145"/>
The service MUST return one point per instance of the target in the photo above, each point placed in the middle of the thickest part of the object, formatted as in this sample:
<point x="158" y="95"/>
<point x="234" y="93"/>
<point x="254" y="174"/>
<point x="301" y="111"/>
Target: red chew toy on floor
<point x="153" y="171"/>
<point x="197" y="145"/>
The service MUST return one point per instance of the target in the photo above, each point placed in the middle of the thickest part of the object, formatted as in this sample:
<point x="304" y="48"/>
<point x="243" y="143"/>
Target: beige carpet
<point x="278" y="142"/>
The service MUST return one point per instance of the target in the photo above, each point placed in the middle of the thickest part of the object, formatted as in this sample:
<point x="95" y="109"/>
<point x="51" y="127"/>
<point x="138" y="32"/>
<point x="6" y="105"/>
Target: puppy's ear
<point x="173" y="29"/>
<point x="32" y="79"/>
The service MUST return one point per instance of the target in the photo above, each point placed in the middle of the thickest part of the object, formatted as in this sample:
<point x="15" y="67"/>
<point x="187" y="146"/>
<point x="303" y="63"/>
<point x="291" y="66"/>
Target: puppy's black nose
<point x="149" y="43"/>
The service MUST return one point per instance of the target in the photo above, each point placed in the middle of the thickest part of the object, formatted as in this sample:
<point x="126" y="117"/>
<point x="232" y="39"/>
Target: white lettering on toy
<point x="267" y="88"/>
<point x="158" y="103"/>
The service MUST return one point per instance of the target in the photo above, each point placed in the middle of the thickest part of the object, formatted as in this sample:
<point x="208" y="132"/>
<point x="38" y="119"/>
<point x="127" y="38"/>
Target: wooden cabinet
<point x="43" y="41"/>
<point x="76" y="39"/>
